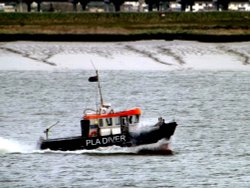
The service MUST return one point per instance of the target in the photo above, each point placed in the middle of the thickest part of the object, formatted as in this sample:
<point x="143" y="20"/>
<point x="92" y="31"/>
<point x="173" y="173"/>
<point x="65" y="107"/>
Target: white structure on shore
<point x="128" y="6"/>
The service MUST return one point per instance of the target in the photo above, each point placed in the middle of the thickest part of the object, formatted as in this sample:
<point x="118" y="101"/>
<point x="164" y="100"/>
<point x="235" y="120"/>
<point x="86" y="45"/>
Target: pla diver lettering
<point x="106" y="140"/>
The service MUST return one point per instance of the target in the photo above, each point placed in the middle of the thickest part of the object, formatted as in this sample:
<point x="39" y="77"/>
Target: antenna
<point x="98" y="83"/>
<point x="93" y="64"/>
<point x="100" y="89"/>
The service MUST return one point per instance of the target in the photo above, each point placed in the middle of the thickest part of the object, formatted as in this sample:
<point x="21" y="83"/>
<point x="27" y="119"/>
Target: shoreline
<point x="123" y="37"/>
<point x="111" y="27"/>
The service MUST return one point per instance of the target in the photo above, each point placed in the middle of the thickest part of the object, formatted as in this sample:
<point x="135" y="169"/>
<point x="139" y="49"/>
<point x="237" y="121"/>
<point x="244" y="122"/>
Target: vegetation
<point x="213" y="23"/>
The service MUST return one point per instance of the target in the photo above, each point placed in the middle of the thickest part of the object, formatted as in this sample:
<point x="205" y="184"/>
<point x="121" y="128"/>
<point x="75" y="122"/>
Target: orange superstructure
<point x="135" y="111"/>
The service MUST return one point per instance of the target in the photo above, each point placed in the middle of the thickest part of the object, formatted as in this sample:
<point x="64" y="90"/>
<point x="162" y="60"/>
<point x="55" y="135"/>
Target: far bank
<point x="201" y="26"/>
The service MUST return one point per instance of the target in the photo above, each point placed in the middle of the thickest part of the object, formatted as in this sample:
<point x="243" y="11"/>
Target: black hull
<point x="156" y="133"/>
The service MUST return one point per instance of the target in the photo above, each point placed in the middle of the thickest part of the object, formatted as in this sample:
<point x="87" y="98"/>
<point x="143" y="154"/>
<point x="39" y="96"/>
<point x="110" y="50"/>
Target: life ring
<point x="93" y="133"/>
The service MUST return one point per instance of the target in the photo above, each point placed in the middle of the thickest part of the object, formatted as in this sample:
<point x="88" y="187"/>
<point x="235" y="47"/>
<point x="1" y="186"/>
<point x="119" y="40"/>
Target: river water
<point x="211" y="104"/>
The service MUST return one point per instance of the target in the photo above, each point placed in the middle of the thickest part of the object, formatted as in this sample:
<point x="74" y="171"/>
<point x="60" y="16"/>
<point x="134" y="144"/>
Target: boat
<point x="104" y="127"/>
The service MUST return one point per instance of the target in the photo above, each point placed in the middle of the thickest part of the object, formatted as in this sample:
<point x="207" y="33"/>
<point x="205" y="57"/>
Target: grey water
<point x="211" y="144"/>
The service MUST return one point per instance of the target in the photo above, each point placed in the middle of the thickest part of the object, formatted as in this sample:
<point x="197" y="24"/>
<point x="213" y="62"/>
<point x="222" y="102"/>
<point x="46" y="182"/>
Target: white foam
<point x="12" y="146"/>
<point x="98" y="151"/>
<point x="110" y="150"/>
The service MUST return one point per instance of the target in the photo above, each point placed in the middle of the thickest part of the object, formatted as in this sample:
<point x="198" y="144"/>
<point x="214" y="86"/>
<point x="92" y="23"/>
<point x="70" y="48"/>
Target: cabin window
<point x="109" y="121"/>
<point x="93" y="122"/>
<point x="100" y="122"/>
<point x="133" y="119"/>
<point x="105" y="131"/>
<point x="130" y="119"/>
<point x="136" y="118"/>
<point x="116" y="130"/>
<point x="117" y="121"/>
<point x="124" y="120"/>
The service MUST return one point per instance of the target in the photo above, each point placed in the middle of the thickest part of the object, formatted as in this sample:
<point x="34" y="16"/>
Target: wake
<point x="12" y="146"/>
<point x="8" y="146"/>
<point x="159" y="148"/>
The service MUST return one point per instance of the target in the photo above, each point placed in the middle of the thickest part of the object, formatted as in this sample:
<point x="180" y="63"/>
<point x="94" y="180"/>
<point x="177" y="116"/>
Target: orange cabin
<point x="135" y="111"/>
<point x="110" y="123"/>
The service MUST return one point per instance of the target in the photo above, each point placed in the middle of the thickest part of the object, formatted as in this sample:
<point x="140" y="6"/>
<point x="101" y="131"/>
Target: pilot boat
<point x="105" y="127"/>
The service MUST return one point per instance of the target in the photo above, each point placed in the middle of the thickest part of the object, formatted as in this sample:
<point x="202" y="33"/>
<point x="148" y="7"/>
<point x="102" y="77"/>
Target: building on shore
<point x="127" y="6"/>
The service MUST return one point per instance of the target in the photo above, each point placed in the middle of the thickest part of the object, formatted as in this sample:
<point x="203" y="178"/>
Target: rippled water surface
<point x="211" y="144"/>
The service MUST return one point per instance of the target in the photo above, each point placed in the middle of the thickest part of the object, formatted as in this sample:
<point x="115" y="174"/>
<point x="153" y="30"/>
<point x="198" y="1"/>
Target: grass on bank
<point x="125" y="23"/>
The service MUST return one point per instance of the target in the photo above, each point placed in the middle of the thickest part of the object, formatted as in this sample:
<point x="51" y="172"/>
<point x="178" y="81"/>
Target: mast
<point x="99" y="89"/>
<point x="96" y="79"/>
